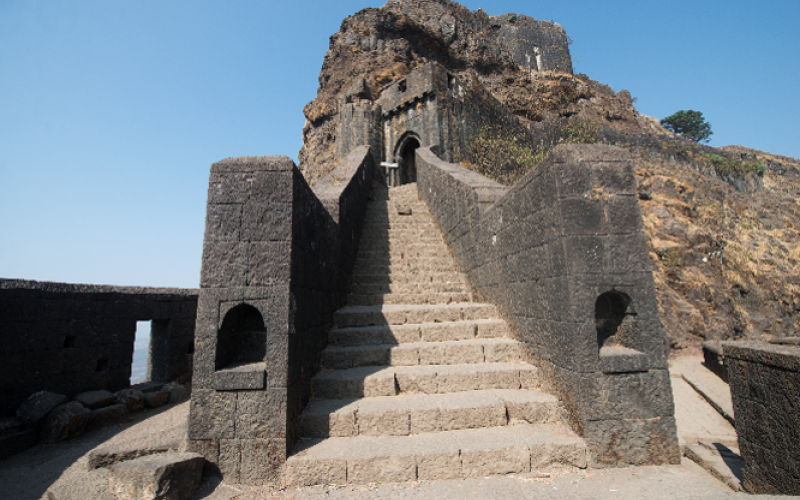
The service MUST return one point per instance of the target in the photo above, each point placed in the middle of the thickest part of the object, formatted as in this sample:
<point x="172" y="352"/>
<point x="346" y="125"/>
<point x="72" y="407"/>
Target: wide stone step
<point x="404" y="268"/>
<point x="412" y="333"/>
<point x="402" y="314"/>
<point x="418" y="413"/>
<point x="405" y="288"/>
<point x="457" y="352"/>
<point x="413" y="298"/>
<point x="383" y="245"/>
<point x="403" y="258"/>
<point x="440" y="455"/>
<point x="392" y="254"/>
<point x="436" y="379"/>
<point x="385" y="278"/>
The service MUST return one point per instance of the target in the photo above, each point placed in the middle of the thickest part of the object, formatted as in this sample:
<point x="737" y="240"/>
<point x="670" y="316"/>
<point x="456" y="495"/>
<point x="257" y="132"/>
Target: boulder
<point x="107" y="416"/>
<point x="132" y="398"/>
<point x="95" y="399"/>
<point x="147" y="386"/>
<point x="34" y="410"/>
<point x="177" y="392"/>
<point x="65" y="422"/>
<point x="165" y="476"/>
<point x="156" y="399"/>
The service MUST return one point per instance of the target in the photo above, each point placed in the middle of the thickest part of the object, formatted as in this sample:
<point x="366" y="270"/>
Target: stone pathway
<point x="419" y="382"/>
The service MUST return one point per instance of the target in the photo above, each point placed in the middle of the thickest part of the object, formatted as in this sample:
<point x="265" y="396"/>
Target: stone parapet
<point x="564" y="256"/>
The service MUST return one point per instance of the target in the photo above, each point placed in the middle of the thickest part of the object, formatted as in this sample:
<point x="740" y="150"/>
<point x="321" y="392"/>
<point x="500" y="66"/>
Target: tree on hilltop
<point x="690" y="124"/>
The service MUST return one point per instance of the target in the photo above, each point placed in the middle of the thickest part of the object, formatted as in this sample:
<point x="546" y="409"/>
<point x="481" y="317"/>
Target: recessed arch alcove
<point x="242" y="338"/>
<point x="405" y="156"/>
<point x="614" y="319"/>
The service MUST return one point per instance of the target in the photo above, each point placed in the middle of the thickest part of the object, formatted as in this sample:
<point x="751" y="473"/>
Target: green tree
<point x="689" y="124"/>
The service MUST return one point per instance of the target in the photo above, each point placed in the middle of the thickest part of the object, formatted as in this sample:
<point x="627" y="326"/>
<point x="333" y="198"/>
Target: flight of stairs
<point x="418" y="382"/>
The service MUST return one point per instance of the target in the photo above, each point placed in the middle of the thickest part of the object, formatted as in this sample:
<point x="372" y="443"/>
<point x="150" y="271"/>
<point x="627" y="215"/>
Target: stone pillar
<point x="238" y="410"/>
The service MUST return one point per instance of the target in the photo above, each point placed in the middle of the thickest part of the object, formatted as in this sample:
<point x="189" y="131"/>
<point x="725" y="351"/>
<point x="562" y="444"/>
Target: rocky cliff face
<point x="724" y="242"/>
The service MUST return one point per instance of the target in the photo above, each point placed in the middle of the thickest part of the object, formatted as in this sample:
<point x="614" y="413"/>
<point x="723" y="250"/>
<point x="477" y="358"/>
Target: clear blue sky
<point x="112" y="111"/>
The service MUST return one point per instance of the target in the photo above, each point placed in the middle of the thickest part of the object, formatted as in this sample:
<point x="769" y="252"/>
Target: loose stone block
<point x="107" y="416"/>
<point x="173" y="476"/>
<point x="95" y="399"/>
<point x="34" y="410"/>
<point x="131" y="398"/>
<point x="65" y="422"/>
<point x="156" y="399"/>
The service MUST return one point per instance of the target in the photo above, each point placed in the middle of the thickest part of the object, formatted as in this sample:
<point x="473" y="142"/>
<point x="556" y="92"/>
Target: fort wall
<point x="764" y="380"/>
<point x="277" y="258"/>
<point x="564" y="255"/>
<point x="69" y="338"/>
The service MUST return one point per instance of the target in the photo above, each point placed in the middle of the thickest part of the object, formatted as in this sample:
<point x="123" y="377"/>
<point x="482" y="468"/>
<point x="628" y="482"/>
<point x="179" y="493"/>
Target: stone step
<point x="411" y="298"/>
<point x="401" y="314"/>
<point x="417" y="413"/>
<point x="431" y="379"/>
<point x="454" y="352"/>
<point x="429" y="260"/>
<point x="440" y="455"/>
<point x="403" y="236"/>
<point x="402" y="253"/>
<point x="404" y="268"/>
<point x="383" y="245"/>
<point x="412" y="333"/>
<point x="385" y="278"/>
<point x="405" y="288"/>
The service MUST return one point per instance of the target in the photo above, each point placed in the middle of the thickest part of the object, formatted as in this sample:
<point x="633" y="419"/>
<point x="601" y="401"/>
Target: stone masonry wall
<point x="765" y="386"/>
<point x="276" y="264"/>
<point x="68" y="338"/>
<point x="564" y="255"/>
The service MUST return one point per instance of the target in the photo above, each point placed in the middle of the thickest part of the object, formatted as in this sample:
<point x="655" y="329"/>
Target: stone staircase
<point x="418" y="382"/>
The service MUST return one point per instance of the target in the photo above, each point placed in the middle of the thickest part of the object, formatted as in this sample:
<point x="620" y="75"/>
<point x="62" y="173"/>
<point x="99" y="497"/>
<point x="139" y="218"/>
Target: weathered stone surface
<point x="177" y="392"/>
<point x="132" y="398"/>
<point x="14" y="442"/>
<point x="107" y="416"/>
<point x="34" y="410"/>
<point x="65" y="422"/>
<point x="156" y="399"/>
<point x="165" y="476"/>
<point x="95" y="399"/>
<point x="764" y="379"/>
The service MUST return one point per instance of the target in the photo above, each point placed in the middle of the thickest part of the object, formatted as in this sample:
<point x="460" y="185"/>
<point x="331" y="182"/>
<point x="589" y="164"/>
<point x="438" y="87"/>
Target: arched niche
<point x="618" y="334"/>
<point x="614" y="319"/>
<point x="242" y="338"/>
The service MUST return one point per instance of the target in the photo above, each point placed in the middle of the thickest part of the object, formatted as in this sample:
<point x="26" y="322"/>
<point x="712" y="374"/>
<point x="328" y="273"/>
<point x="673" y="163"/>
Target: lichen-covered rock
<point x="34" y="410"/>
<point x="65" y="422"/>
<point x="165" y="476"/>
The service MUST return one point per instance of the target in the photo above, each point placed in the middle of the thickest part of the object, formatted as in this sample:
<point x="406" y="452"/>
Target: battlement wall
<point x="564" y="255"/>
<point x="71" y="338"/>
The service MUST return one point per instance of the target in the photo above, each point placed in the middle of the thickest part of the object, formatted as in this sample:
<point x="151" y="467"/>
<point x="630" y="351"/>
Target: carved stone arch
<point x="404" y="155"/>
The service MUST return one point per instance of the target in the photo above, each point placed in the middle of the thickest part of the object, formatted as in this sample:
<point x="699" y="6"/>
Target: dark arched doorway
<point x="406" y="160"/>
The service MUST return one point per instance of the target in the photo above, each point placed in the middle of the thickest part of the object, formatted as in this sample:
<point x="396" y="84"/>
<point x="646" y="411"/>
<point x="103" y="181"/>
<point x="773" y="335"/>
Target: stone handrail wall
<point x="72" y="338"/>
<point x="551" y="252"/>
<point x="280" y="254"/>
<point x="764" y="382"/>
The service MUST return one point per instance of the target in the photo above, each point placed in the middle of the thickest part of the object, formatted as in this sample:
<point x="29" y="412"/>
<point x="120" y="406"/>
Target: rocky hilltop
<point x="721" y="222"/>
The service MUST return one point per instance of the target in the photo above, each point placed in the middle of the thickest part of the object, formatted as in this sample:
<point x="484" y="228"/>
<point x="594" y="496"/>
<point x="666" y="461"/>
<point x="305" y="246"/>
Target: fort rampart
<point x="764" y="380"/>
<point x="68" y="338"/>
<point x="564" y="255"/>
<point x="277" y="259"/>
